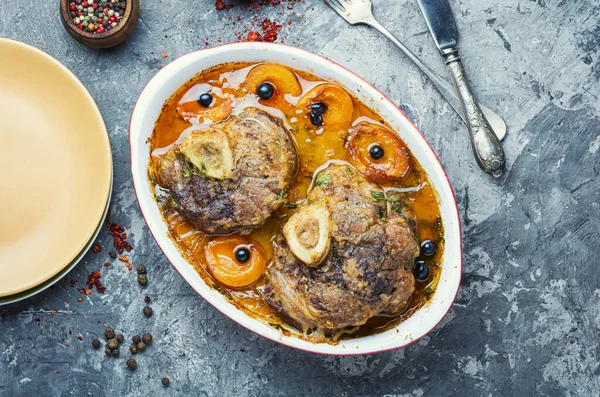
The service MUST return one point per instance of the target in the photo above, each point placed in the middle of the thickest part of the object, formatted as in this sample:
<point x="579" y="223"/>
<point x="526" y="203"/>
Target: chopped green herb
<point x="281" y="195"/>
<point x="202" y="171"/>
<point x="429" y="291"/>
<point x="287" y="204"/>
<point x="323" y="180"/>
<point x="223" y="291"/>
<point x="398" y="207"/>
<point x="187" y="172"/>
<point x="378" y="196"/>
<point x="173" y="204"/>
<point x="438" y="227"/>
<point x="276" y="326"/>
<point x="393" y="199"/>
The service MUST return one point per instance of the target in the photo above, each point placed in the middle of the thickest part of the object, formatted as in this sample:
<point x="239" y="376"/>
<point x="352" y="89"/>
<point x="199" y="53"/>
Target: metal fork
<point x="360" y="12"/>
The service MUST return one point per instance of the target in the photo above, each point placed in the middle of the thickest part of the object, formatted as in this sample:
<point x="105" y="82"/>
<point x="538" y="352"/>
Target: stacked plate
<point x="56" y="171"/>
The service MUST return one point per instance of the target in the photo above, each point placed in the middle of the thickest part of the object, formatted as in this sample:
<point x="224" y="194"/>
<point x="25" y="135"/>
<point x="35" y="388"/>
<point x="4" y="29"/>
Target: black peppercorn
<point x="120" y="338"/>
<point x="136" y="339"/>
<point x="265" y="91"/>
<point x="147" y="339"/>
<point x="142" y="279"/>
<point x="141" y="346"/>
<point x="147" y="311"/>
<point x="96" y="343"/>
<point x="131" y="364"/>
<point x="165" y="381"/>
<point x="116" y="352"/>
<point x="147" y="299"/>
<point x="112" y="254"/>
<point x="316" y="119"/>
<point x="141" y="269"/>
<point x="107" y="351"/>
<point x="109" y="333"/>
<point x="133" y="348"/>
<point x="205" y="99"/>
<point x="112" y="344"/>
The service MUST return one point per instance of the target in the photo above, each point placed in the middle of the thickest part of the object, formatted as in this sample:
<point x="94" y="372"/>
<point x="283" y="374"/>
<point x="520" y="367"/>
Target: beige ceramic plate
<point x="5" y="300"/>
<point x="56" y="167"/>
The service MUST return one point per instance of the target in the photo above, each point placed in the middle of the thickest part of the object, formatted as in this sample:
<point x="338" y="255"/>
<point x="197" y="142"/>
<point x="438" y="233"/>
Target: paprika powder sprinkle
<point x="119" y="235"/>
<point x="94" y="280"/>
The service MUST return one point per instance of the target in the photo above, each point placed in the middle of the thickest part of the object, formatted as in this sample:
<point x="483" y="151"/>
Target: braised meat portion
<point x="229" y="177"/>
<point x="344" y="257"/>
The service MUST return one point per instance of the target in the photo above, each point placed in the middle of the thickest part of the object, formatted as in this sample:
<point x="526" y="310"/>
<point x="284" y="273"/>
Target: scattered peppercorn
<point x="112" y="344"/>
<point x="96" y="249"/>
<point x="133" y="348"/>
<point x="147" y="311"/>
<point x="136" y="339"/>
<point x="107" y="351"/>
<point x="147" y="299"/>
<point x="142" y="279"/>
<point x="109" y="333"/>
<point x="165" y="381"/>
<point x="141" y="346"/>
<point x="131" y="364"/>
<point x="96" y="343"/>
<point x="116" y="352"/>
<point x="141" y="269"/>
<point x="120" y="338"/>
<point x="147" y="338"/>
<point x="112" y="254"/>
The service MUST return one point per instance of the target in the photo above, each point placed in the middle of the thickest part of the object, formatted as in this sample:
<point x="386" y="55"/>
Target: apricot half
<point x="282" y="78"/>
<point x="378" y="153"/>
<point x="335" y="104"/>
<point x="219" y="110"/>
<point x="235" y="261"/>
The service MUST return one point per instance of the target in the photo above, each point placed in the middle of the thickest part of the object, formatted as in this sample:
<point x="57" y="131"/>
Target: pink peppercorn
<point x="84" y="4"/>
<point x="94" y="6"/>
<point x="73" y="7"/>
<point x="100" y="29"/>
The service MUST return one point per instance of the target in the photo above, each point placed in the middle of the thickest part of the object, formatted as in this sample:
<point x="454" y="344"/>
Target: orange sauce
<point x="315" y="148"/>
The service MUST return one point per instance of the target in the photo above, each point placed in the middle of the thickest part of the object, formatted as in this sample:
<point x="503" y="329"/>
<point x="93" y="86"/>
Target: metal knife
<point x="486" y="145"/>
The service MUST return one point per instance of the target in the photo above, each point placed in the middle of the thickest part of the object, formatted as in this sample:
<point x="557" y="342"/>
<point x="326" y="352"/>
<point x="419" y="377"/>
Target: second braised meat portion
<point x="344" y="257"/>
<point x="229" y="177"/>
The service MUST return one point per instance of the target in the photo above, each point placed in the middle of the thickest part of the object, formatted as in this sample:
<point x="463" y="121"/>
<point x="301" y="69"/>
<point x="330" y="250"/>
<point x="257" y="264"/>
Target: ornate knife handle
<point x="486" y="146"/>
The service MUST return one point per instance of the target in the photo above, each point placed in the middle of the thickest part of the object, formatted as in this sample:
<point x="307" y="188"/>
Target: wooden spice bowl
<point x="107" y="39"/>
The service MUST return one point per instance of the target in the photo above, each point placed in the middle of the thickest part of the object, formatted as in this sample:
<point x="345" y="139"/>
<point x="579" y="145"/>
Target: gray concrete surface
<point x="526" y="321"/>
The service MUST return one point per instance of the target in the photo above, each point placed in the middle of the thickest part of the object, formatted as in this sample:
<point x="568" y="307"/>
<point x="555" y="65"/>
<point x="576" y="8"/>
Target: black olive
<point x="205" y="99"/>
<point x="316" y="119"/>
<point x="376" y="152"/>
<point x="318" y="108"/>
<point x="242" y="255"/>
<point x="428" y="248"/>
<point x="421" y="271"/>
<point x="265" y="91"/>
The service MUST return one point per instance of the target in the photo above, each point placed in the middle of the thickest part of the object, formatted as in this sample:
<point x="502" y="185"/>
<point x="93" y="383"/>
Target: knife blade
<point x="441" y="23"/>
